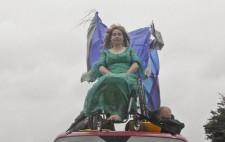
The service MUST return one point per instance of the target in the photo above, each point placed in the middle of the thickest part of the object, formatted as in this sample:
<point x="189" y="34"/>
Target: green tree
<point x="215" y="127"/>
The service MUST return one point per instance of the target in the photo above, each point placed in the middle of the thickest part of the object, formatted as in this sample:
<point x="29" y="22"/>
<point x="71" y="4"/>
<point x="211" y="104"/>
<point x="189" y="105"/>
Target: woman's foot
<point x="115" y="117"/>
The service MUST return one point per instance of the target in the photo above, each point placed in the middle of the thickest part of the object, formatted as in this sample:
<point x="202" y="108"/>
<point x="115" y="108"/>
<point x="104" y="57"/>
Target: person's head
<point x="116" y="33"/>
<point x="164" y="113"/>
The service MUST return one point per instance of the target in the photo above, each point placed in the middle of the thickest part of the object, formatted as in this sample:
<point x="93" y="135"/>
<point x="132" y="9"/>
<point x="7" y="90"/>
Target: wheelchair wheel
<point x="137" y="125"/>
<point x="97" y="122"/>
<point x="99" y="125"/>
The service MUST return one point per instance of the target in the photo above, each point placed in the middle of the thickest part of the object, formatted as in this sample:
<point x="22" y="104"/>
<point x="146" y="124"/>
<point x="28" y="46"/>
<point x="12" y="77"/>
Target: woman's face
<point x="117" y="37"/>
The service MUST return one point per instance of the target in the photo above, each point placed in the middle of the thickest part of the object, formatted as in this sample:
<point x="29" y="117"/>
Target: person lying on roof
<point x="162" y="118"/>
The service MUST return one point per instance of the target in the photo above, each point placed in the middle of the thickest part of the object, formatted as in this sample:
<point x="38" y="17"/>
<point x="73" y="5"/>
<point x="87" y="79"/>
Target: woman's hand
<point x="104" y="70"/>
<point x="133" y="68"/>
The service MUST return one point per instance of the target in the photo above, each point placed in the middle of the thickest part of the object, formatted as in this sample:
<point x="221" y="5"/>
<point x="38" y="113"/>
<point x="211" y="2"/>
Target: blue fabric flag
<point x="151" y="84"/>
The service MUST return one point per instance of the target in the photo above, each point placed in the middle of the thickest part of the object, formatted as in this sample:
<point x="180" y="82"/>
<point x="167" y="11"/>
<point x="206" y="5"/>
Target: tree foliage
<point x="215" y="127"/>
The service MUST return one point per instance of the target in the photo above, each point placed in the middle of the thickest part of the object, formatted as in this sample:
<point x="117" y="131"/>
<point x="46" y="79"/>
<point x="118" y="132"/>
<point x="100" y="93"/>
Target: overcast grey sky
<point x="42" y="59"/>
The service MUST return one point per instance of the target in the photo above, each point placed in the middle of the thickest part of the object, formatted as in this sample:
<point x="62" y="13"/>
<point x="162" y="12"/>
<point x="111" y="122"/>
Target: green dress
<point x="111" y="92"/>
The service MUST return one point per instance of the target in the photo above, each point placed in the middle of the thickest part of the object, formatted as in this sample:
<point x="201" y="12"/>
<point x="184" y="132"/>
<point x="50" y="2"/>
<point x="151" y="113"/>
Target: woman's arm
<point x="133" y="68"/>
<point x="104" y="70"/>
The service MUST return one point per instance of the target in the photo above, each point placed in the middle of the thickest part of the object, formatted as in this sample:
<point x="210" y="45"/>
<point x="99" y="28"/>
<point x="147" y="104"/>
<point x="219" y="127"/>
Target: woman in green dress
<point x="117" y="77"/>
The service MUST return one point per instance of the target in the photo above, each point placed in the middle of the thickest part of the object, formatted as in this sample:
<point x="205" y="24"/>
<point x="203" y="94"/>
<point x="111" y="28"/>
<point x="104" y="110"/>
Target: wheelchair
<point x="97" y="121"/>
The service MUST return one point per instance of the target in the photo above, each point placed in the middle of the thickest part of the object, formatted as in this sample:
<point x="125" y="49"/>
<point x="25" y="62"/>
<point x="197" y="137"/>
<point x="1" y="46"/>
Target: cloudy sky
<point x="42" y="57"/>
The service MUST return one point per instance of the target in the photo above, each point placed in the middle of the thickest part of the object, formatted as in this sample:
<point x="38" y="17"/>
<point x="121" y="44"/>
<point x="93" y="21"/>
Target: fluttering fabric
<point x="95" y="38"/>
<point x="139" y="41"/>
<point x="111" y="92"/>
<point x="142" y="44"/>
<point x="151" y="84"/>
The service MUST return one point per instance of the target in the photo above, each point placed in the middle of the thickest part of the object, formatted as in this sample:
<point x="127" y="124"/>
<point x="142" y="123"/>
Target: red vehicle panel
<point x="119" y="136"/>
